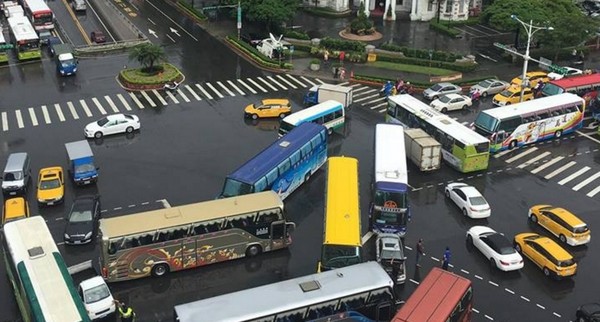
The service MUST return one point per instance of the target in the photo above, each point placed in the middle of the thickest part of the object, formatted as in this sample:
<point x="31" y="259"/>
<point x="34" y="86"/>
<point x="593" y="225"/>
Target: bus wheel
<point x="330" y="131"/>
<point x="253" y="250"/>
<point x="159" y="270"/>
<point x="513" y="144"/>
<point x="558" y="134"/>
<point x="306" y="177"/>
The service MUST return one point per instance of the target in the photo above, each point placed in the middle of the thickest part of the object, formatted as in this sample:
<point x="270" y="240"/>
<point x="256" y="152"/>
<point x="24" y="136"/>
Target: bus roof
<point x="287" y="295"/>
<point x="577" y="81"/>
<point x="342" y="210"/>
<point x="390" y="154"/>
<point x="435" y="298"/>
<point x="43" y="271"/>
<point x="441" y="121"/>
<point x="533" y="106"/>
<point x="274" y="154"/>
<point x="22" y="28"/>
<point x="150" y="221"/>
<point x="313" y="111"/>
<point x="37" y="6"/>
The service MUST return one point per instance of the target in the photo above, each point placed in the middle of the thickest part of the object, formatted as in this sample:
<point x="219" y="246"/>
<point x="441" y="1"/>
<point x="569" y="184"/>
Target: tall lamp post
<point x="530" y="29"/>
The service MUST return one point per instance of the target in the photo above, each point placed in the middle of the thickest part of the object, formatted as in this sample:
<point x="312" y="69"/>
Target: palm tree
<point x="147" y="55"/>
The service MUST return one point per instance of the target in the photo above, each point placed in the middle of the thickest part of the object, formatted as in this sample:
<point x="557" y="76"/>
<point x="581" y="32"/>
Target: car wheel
<point x="546" y="271"/>
<point x="306" y="177"/>
<point x="507" y="104"/>
<point x="534" y="219"/>
<point x="98" y="135"/>
<point x="558" y="134"/>
<point x="253" y="250"/>
<point x="330" y="131"/>
<point x="512" y="145"/>
<point x="435" y="97"/>
<point x="518" y="247"/>
<point x="447" y="193"/>
<point x="562" y="238"/>
<point x="465" y="213"/>
<point x="254" y="116"/>
<point x="493" y="263"/>
<point x="282" y="115"/>
<point x="484" y="94"/>
<point x="129" y="129"/>
<point x="464" y="107"/>
<point x="444" y="110"/>
<point x="159" y="270"/>
<point x="581" y="319"/>
<point x="469" y="240"/>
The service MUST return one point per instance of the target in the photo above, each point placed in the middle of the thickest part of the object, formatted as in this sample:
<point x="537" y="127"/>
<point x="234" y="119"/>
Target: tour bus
<point x="25" y="39"/>
<point x="586" y="86"/>
<point x="389" y="210"/>
<point x="43" y="287"/>
<point x="330" y="114"/>
<point x="167" y="240"/>
<point x="442" y="296"/>
<point x="462" y="148"/>
<point x="365" y="288"/>
<point x="531" y="121"/>
<point x="4" y="47"/>
<point x="39" y="14"/>
<point x="342" y="243"/>
<point x="283" y="166"/>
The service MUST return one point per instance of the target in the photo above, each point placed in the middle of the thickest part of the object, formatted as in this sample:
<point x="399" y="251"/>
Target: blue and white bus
<point x="389" y="209"/>
<point x="283" y="166"/>
<point x="330" y="114"/>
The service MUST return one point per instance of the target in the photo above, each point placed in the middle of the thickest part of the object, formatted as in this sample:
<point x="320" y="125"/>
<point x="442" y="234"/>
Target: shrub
<point x="422" y="53"/>
<point x="362" y="23"/>
<point x="256" y="55"/>
<point x="340" y="44"/>
<point x="295" y="34"/>
<point x="445" y="29"/>
<point x="461" y="67"/>
<point x="315" y="61"/>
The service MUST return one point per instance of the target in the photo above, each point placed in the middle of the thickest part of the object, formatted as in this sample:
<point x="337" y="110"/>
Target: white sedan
<point x="112" y="124"/>
<point x="451" y="102"/>
<point x="469" y="200"/>
<point x="569" y="71"/>
<point x="495" y="247"/>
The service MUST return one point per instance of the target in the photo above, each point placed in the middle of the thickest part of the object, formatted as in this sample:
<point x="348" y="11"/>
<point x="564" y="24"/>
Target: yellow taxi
<point x="546" y="254"/>
<point x="14" y="209"/>
<point x="512" y="95"/>
<point x="51" y="186"/>
<point x="269" y="108"/>
<point x="534" y="78"/>
<point x="561" y="223"/>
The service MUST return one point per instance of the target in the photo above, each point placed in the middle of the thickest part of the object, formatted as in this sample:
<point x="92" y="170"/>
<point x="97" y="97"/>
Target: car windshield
<point x="390" y="254"/>
<point x="580" y="229"/>
<point x="445" y="99"/>
<point x="477" y="201"/>
<point x="67" y="63"/>
<point x="506" y="93"/>
<point x="84" y="168"/>
<point x="485" y="84"/>
<point x="49" y="184"/>
<point x="436" y="87"/>
<point x="96" y="294"/>
<point x="12" y="176"/>
<point x="81" y="216"/>
<point x="102" y="121"/>
<point x="566" y="263"/>
<point x="336" y="256"/>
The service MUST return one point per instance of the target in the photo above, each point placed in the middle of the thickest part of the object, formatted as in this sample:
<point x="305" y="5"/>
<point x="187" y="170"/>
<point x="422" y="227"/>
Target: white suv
<point x="97" y="299"/>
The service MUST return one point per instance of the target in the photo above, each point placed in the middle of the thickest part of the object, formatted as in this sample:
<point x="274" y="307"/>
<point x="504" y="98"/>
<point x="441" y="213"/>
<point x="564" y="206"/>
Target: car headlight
<point x="88" y="235"/>
<point x="67" y="236"/>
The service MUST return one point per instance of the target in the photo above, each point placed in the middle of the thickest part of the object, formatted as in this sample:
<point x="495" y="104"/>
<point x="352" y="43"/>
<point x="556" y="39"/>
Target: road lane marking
<point x="366" y="237"/>
<point x="214" y="90"/>
<point x="247" y="86"/>
<point x="236" y="88"/>
<point x="173" y="97"/>
<point x="540" y="306"/>
<point x="85" y="108"/>
<point x="61" y="116"/>
<point x="594" y="192"/>
<point x="559" y="170"/>
<point x="510" y="291"/>
<point x="369" y="91"/>
<point x="277" y="83"/>
<point x="225" y="88"/>
<point x="160" y="98"/>
<point x="98" y="105"/>
<point x="124" y="102"/>
<point x="46" y="114"/>
<point x="185" y="98"/>
<point x="520" y="155"/>
<point x="295" y="80"/>
<point x="497" y="155"/>
<point x="308" y="81"/>
<point x="533" y="160"/>
<point x="355" y="85"/>
<point x="574" y="175"/>
<point x="359" y="88"/>
<point x="19" y="119"/>
<point x="587" y="136"/>
<point x="111" y="103"/>
<point x="586" y="181"/>
<point x="193" y="93"/>
<point x="204" y="91"/>
<point x="547" y="164"/>
<point x="287" y="82"/>
<point x="256" y="84"/>
<point x="4" y="122"/>
<point x="34" y="120"/>
<point x="72" y="109"/>
<point x="320" y="81"/>
<point x="365" y="98"/>
<point x="267" y="83"/>
<point x="378" y="105"/>
<point x="377" y="100"/>
<point x="524" y="298"/>
<point x="148" y="99"/>
<point x="344" y="83"/>
<point x="136" y="100"/>
<point x="178" y="25"/>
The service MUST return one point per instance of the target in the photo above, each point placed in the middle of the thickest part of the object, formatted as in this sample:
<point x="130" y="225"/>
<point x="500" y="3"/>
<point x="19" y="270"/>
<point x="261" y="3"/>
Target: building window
<point x="449" y="6"/>
<point x="430" y="5"/>
<point x="399" y="2"/>
<point x="461" y="8"/>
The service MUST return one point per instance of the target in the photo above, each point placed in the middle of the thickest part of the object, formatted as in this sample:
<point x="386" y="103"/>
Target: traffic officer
<point x="125" y="312"/>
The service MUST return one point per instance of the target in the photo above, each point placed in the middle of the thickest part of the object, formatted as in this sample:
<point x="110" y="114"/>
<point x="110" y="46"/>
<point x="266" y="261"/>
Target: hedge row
<point x="422" y="53"/>
<point x="191" y="10"/>
<point x="256" y="55"/>
<point x="445" y="29"/>
<point x="340" y="44"/>
<point x="461" y="67"/>
<point x="295" y="34"/>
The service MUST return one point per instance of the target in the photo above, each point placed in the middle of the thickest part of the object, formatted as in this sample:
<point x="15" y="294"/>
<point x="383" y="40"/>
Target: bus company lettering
<point x="262" y="231"/>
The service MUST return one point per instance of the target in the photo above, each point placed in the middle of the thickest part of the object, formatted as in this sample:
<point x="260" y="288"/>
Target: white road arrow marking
<point x="152" y="32"/>
<point x="173" y="30"/>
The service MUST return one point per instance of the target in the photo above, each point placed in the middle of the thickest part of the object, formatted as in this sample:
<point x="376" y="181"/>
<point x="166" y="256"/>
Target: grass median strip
<point x="412" y="68"/>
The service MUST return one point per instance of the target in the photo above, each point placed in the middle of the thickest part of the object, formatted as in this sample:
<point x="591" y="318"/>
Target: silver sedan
<point x="490" y="86"/>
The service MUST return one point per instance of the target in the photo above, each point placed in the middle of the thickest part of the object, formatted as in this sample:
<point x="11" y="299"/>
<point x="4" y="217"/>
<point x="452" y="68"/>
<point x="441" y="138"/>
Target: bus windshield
<point x="28" y="45"/>
<point x="486" y="122"/>
<point x="43" y="17"/>
<point x="285" y="127"/>
<point x="336" y="256"/>
<point x="235" y="188"/>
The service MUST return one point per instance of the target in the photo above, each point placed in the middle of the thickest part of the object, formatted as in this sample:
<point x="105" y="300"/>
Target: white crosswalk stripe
<point x="360" y="89"/>
<point x="204" y="91"/>
<point x="148" y="99"/>
<point x="4" y="122"/>
<point x="160" y="98"/>
<point x="225" y="88"/>
<point x="320" y="81"/>
<point x="124" y="102"/>
<point x="19" y="119"/>
<point x="308" y="81"/>
<point x="98" y="105"/>
<point x="499" y="154"/>
<point x="235" y="87"/>
<point x="295" y="80"/>
<point x="246" y="85"/>
<point x="172" y="97"/>
<point x="378" y="105"/>
<point x="256" y="84"/>
<point x="586" y="181"/>
<point x="364" y="98"/>
<point x="356" y="85"/>
<point x="136" y="101"/>
<point x="533" y="160"/>
<point x="85" y="108"/>
<point x="287" y="82"/>
<point x="33" y="117"/>
<point x="46" y="114"/>
<point x="520" y="155"/>
<point x="593" y="192"/>
<point x="214" y="90"/>
<point x="72" y="109"/>
<point x="547" y="164"/>
<point x="193" y="93"/>
<point x="61" y="116"/>
<point x="267" y="83"/>
<point x="377" y="100"/>
<point x="111" y="103"/>
<point x="559" y="170"/>
<point x="344" y="83"/>
<point x="182" y="94"/>
<point x="277" y="83"/>
<point x="574" y="175"/>
<point x="382" y="110"/>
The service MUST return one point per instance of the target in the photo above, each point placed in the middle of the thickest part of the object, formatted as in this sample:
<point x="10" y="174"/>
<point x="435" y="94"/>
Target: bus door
<point x="280" y="232"/>
<point x="499" y="137"/>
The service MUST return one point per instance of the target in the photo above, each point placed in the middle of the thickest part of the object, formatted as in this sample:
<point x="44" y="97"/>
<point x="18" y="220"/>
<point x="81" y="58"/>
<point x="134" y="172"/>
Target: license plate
<point x="86" y="182"/>
<point x="12" y="193"/>
<point x="77" y="242"/>
<point x="50" y="203"/>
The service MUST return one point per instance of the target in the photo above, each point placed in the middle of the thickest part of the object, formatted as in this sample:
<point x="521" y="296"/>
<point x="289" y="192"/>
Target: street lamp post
<point x="530" y="29"/>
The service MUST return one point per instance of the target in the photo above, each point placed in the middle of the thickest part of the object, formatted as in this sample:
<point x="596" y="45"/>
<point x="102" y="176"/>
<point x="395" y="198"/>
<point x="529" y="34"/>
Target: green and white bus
<point x="462" y="148"/>
<point x="25" y="38"/>
<point x="330" y="114"/>
<point x="41" y="282"/>
<point x="4" y="47"/>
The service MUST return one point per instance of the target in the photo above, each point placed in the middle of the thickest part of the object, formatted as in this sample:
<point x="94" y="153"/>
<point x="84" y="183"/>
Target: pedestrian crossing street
<point x="560" y="169"/>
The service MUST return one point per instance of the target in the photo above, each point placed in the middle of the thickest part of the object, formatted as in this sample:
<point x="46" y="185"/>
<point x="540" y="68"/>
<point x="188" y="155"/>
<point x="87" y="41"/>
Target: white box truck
<point x="324" y="92"/>
<point x="422" y="149"/>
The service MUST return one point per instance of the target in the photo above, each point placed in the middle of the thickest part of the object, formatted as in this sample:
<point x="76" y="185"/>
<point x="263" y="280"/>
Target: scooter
<point x="386" y="89"/>
<point x="171" y="86"/>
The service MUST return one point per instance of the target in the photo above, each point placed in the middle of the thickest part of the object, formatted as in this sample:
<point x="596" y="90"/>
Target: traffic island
<point x="141" y="79"/>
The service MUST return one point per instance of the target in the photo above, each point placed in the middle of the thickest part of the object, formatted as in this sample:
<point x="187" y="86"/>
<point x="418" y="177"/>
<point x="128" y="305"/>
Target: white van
<point x="97" y="299"/>
<point x="79" y="5"/>
<point x="330" y="114"/>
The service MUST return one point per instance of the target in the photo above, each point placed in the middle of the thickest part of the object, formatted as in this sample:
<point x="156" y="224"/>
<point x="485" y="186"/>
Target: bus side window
<point x="284" y="166"/>
<point x="146" y="239"/>
<point x="162" y="236"/>
<point x="305" y="150"/>
<point x="213" y="227"/>
<point x="328" y="117"/>
<point x="135" y="242"/>
<point x="260" y="185"/>
<point x="295" y="158"/>
<point x="380" y="295"/>
<point x="542" y="115"/>
<point x="271" y="177"/>
<point x="322" y="309"/>
<point x="178" y="233"/>
<point x="292" y="316"/>
<point x="338" y="114"/>
<point x="127" y="243"/>
<point x="354" y="302"/>
<point x="112" y="246"/>
<point x="315" y="142"/>
<point x="199" y="230"/>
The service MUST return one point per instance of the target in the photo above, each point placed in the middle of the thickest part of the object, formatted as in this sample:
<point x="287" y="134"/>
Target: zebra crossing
<point x="560" y="169"/>
<point x="127" y="102"/>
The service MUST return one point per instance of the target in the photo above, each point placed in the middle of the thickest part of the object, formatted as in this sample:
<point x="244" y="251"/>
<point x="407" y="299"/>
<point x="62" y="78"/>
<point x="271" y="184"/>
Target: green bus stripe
<point x="69" y="282"/>
<point x="34" y="303"/>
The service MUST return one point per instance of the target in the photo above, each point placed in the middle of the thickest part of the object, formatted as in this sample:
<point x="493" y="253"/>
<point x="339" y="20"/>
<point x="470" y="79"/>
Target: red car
<point x="98" y="37"/>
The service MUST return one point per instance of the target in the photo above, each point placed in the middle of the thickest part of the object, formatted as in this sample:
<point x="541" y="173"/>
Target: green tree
<point x="271" y="13"/>
<point x="147" y="55"/>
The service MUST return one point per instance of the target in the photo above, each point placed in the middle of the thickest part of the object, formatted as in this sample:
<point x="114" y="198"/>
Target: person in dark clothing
<point x="446" y="258"/>
<point x="420" y="251"/>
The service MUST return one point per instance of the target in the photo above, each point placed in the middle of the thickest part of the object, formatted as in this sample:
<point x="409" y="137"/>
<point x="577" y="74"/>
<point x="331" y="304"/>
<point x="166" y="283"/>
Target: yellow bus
<point x="342" y="244"/>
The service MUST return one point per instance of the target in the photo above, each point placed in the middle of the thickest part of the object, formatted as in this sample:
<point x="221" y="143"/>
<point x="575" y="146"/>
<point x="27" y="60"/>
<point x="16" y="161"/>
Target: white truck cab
<point x="272" y="47"/>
